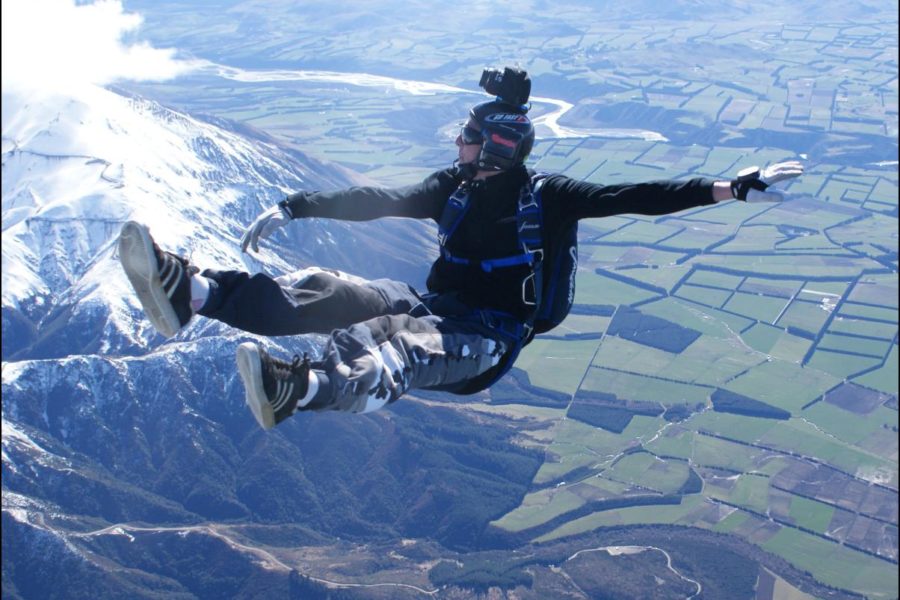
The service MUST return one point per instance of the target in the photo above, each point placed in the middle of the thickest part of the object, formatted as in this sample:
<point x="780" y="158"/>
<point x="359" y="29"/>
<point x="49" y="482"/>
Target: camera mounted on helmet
<point x="507" y="135"/>
<point x="512" y="86"/>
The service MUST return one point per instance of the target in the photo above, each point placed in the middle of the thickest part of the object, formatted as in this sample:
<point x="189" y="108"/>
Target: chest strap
<point x="528" y="228"/>
<point x="489" y="264"/>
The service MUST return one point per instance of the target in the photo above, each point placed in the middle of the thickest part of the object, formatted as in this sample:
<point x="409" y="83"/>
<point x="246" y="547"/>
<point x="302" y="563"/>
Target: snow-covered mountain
<point x="76" y="168"/>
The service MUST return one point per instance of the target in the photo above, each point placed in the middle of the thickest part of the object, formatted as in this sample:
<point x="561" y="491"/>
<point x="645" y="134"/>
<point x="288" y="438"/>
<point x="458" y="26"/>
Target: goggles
<point x="470" y="135"/>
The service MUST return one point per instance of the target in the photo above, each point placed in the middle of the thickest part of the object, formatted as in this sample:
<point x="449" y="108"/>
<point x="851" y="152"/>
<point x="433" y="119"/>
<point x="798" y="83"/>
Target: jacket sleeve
<point x="581" y="200"/>
<point x="424" y="200"/>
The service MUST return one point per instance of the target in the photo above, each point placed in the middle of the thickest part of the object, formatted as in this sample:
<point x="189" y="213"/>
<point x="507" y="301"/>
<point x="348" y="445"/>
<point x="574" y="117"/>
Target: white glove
<point x="752" y="184"/>
<point x="264" y="226"/>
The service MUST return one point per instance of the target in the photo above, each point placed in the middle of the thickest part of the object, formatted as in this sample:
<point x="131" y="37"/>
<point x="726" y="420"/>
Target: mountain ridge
<point x="68" y="187"/>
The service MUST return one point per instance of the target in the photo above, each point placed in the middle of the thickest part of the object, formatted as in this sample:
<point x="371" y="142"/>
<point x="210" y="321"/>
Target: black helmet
<point x="507" y="134"/>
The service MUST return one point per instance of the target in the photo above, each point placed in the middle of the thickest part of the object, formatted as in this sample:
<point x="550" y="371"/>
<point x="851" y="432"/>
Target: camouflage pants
<point x="383" y="337"/>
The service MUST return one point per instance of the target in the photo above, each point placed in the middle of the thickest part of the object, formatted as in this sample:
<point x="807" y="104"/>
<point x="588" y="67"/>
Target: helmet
<point x="507" y="134"/>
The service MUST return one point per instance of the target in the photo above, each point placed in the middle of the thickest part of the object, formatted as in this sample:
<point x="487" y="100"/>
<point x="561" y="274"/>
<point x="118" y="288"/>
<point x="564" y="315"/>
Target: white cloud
<point x="55" y="45"/>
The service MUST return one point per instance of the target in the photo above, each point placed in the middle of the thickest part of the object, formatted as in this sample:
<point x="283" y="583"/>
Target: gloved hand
<point x="752" y="184"/>
<point x="265" y="225"/>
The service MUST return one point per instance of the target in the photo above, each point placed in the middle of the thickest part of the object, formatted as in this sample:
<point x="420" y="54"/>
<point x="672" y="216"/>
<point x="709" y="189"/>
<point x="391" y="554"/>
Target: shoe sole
<point x="139" y="261"/>
<point x="249" y="366"/>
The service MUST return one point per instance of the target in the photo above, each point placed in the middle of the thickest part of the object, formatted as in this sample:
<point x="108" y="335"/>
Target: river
<point x="547" y="125"/>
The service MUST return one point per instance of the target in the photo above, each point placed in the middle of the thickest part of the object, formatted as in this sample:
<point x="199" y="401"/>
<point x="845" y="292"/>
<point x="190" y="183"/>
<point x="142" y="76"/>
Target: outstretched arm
<point x="421" y="201"/>
<point x="575" y="199"/>
<point x="579" y="199"/>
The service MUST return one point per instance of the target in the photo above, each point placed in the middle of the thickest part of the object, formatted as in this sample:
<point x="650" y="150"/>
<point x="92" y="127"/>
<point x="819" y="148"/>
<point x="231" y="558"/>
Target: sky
<point x="53" y="45"/>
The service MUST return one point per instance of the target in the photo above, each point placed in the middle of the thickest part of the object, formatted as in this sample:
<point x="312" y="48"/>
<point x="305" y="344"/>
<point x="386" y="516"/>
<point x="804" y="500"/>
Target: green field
<point x="698" y="317"/>
<point x="847" y="426"/>
<point x="762" y="337"/>
<point x="708" y="451"/>
<point x="794" y="266"/>
<point x="807" y="316"/>
<point x="755" y="306"/>
<point x="540" y="507"/>
<point x="688" y="314"/>
<point x="577" y="445"/>
<point x="885" y="377"/>
<point x="736" y="427"/>
<point x="750" y="491"/>
<point x="649" y="472"/>
<point x="666" y="514"/>
<point x="707" y="362"/>
<point x="712" y="361"/>
<point x="675" y="442"/>
<point x="805" y="439"/>
<point x="716" y="279"/>
<point x="834" y="564"/>
<point x="601" y="255"/>
<point x="783" y="384"/>
<point x="734" y="520"/>
<point x="878" y="289"/>
<point x="663" y="272"/>
<point x="877" y="313"/>
<point x="873" y="329"/>
<point x="712" y="297"/>
<point x="630" y="386"/>
<point x="811" y="514"/>
<point x="841" y="365"/>
<point x="791" y="348"/>
<point x="560" y="363"/>
<point x="593" y="288"/>
<point x="855" y="345"/>
<point x="641" y="232"/>
<point x="619" y="354"/>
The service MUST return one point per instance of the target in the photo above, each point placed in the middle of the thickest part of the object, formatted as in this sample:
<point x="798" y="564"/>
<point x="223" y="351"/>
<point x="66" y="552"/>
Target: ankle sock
<point x="318" y="395"/>
<point x="199" y="292"/>
<point x="311" y="390"/>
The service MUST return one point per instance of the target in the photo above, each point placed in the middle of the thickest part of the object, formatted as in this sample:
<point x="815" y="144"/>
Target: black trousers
<point x="384" y="338"/>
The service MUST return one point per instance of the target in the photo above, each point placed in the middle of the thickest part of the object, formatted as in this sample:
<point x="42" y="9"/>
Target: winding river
<point x="547" y="125"/>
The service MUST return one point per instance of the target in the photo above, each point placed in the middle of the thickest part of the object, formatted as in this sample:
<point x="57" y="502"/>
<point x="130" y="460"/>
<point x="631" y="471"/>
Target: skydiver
<point x="505" y="272"/>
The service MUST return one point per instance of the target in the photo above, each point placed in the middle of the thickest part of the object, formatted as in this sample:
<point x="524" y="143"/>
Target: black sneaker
<point x="274" y="387"/>
<point x="162" y="280"/>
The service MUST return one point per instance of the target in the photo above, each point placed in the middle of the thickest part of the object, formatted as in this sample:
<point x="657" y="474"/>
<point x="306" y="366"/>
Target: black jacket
<point x="489" y="227"/>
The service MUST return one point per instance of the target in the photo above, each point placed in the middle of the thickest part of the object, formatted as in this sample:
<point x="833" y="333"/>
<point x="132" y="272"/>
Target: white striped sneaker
<point x="273" y="387"/>
<point x="161" y="280"/>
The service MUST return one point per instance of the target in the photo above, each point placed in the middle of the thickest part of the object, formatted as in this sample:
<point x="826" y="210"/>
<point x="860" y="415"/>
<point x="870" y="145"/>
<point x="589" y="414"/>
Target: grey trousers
<point x="384" y="338"/>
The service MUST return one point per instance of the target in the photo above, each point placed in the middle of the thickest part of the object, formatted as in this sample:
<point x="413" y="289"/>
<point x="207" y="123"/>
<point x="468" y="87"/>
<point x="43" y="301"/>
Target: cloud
<point x="55" y="45"/>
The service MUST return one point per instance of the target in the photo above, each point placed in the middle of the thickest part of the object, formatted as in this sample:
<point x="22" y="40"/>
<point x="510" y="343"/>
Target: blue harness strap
<point x="529" y="217"/>
<point x="510" y="328"/>
<point x="529" y="229"/>
<point x="454" y="210"/>
<point x="490" y="264"/>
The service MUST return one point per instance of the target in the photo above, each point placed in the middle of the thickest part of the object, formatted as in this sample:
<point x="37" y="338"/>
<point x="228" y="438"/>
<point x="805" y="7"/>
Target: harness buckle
<point x="528" y="285"/>
<point x="527" y="200"/>
<point x="527" y="328"/>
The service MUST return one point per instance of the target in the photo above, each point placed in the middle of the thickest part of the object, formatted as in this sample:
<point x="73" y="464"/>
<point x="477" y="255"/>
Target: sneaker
<point x="162" y="280"/>
<point x="274" y="387"/>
